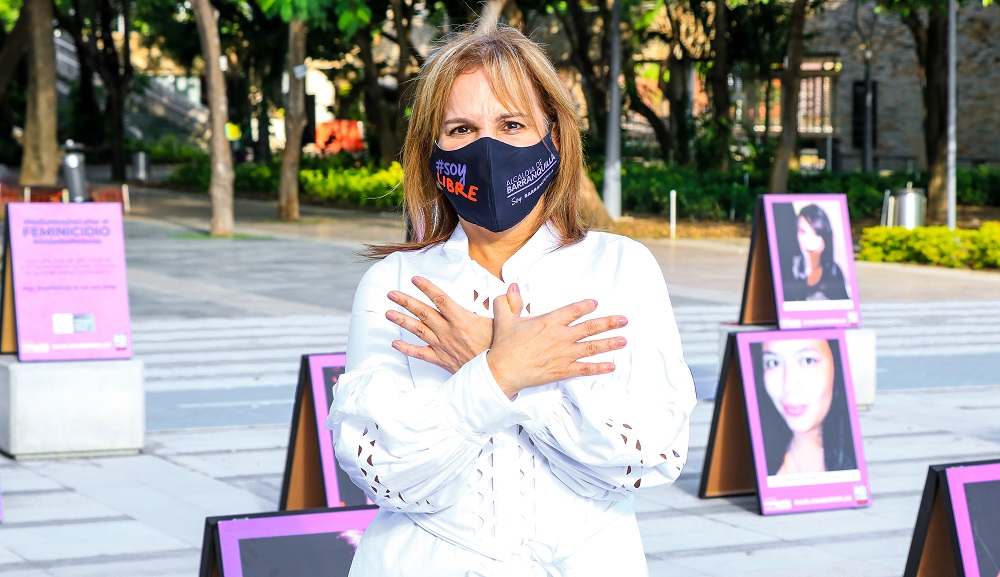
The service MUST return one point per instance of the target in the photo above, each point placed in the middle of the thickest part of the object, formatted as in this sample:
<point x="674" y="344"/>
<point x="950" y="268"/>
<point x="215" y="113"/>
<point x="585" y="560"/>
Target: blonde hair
<point x="520" y="74"/>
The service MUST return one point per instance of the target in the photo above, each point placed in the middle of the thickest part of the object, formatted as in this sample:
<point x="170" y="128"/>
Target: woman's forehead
<point x="472" y="96"/>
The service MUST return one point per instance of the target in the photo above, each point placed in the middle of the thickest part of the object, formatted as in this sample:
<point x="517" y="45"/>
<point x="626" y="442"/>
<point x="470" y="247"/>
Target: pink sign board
<point x="69" y="281"/>
<point x="975" y="500"/>
<point x="324" y="373"/>
<point x="804" y="426"/>
<point x="812" y="260"/>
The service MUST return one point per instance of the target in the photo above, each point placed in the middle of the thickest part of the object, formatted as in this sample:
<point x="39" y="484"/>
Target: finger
<point x="441" y="301"/>
<point x="579" y="369"/>
<point x="593" y="327"/>
<point x="416" y="307"/>
<point x="586" y="349"/>
<point x="503" y="312"/>
<point x="514" y="299"/>
<point x="417" y="352"/>
<point x="419" y="329"/>
<point x="572" y="312"/>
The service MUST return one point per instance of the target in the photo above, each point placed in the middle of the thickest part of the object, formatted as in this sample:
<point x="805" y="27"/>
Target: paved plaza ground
<point x="221" y="326"/>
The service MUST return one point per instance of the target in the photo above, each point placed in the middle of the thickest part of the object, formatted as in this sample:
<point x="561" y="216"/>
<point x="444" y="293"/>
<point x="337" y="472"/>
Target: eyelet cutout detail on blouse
<point x="633" y="475"/>
<point x="371" y="471"/>
<point x="483" y="482"/>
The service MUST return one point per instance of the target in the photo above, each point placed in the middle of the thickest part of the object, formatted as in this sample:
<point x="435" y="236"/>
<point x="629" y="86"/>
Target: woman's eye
<point x="809" y="360"/>
<point x="771" y="363"/>
<point x="459" y="130"/>
<point x="512" y="126"/>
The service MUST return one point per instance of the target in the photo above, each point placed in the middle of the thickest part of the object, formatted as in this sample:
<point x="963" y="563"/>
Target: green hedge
<point x="701" y="195"/>
<point x="936" y="245"/>
<point x="333" y="181"/>
<point x="717" y="195"/>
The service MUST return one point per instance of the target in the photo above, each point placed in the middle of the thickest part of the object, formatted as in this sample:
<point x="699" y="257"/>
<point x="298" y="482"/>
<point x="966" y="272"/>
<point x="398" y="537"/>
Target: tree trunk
<point x="220" y="189"/>
<point x="14" y="47"/>
<point x="932" y="50"/>
<point x="40" y="162"/>
<point x="719" y="81"/>
<point x="375" y="107"/>
<point x="790" y="99"/>
<point x="593" y="82"/>
<point x="592" y="208"/>
<point x="636" y="105"/>
<point x="295" y="123"/>
<point x="120" y="72"/>
<point x="678" y="93"/>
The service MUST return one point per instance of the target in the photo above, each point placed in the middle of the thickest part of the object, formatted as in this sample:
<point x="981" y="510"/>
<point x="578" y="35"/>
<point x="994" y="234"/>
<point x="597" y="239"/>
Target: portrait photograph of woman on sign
<point x="983" y="500"/>
<point x="803" y="404"/>
<point x="811" y="250"/>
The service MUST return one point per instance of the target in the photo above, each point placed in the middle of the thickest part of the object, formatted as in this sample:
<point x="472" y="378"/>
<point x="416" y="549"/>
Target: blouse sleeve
<point x="409" y="448"/>
<point x="606" y="437"/>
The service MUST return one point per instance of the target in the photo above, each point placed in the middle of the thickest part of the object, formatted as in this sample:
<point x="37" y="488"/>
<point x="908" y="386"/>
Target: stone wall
<point x="895" y="68"/>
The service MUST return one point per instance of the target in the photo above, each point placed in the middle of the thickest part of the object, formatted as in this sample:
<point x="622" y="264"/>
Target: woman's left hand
<point x="453" y="334"/>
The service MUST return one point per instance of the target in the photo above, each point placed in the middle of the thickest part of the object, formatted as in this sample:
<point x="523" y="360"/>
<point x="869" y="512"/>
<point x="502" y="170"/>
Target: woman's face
<point x="798" y="376"/>
<point x="809" y="241"/>
<point x="473" y="111"/>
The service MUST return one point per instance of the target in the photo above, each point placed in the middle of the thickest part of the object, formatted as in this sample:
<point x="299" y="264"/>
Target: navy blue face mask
<point x="493" y="184"/>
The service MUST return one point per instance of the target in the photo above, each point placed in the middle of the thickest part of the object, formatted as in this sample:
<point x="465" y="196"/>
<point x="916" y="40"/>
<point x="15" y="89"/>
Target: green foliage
<point x="336" y="180"/>
<point x="933" y="245"/>
<point x="10" y="11"/>
<point x="170" y="149"/>
<point x="711" y="195"/>
<point x="312" y="11"/>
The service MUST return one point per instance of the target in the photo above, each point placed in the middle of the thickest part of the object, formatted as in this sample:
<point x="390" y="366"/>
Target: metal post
<point x="868" y="161"/>
<point x="612" y="146"/>
<point x="673" y="214"/>
<point x="950" y="178"/>
<point x="74" y="172"/>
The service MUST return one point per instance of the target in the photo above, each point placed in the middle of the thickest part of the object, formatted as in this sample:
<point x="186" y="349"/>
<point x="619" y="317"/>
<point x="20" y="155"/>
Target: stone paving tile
<point x="86" y="540"/>
<point x="687" y="533"/>
<point x="185" y="565"/>
<point x="15" y="478"/>
<point x="224" y="465"/>
<point x="51" y="507"/>
<point x="213" y="440"/>
<point x="783" y="562"/>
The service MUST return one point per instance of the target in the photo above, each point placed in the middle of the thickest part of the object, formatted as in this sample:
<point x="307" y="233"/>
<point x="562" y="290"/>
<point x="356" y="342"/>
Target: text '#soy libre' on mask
<point x="493" y="184"/>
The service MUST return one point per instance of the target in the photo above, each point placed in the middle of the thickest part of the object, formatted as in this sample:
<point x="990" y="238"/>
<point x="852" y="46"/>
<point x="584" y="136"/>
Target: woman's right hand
<point x="532" y="351"/>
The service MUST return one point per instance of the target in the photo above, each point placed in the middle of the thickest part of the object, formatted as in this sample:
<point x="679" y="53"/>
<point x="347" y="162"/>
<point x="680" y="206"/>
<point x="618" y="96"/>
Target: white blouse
<point x="470" y="483"/>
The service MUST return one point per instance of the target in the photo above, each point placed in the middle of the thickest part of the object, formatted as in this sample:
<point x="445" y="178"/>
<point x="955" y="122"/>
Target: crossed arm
<point x="454" y="336"/>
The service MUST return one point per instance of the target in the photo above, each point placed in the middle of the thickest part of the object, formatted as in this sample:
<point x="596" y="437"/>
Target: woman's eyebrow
<point x="459" y="120"/>
<point x="509" y="115"/>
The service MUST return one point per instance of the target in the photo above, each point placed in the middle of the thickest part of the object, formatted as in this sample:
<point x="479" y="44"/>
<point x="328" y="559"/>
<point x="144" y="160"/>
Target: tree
<point x="220" y="189"/>
<point x="40" y="162"/>
<point x="783" y="156"/>
<point x="299" y="14"/>
<point x="718" y="80"/>
<point x="92" y="24"/>
<point x="12" y="49"/>
<point x="927" y="21"/>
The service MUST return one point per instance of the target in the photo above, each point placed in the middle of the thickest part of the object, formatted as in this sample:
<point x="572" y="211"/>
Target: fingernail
<point x="391" y="315"/>
<point x="621" y="341"/>
<point x="622" y="321"/>
<point x="395" y="345"/>
<point x="393" y="296"/>
<point x="595" y="302"/>
<point x="516" y="288"/>
<point x="416" y="281"/>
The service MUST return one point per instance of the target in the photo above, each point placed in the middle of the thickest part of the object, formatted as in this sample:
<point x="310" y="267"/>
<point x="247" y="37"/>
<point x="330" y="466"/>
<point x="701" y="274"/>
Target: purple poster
<point x="293" y="543"/>
<point x="324" y="372"/>
<point x="812" y="260"/>
<point x="975" y="500"/>
<point x="804" y="429"/>
<point x="70" y="286"/>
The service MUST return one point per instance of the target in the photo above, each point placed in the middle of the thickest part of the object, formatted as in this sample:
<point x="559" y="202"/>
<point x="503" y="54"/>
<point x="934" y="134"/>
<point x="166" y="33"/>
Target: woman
<point x="499" y="415"/>
<point x="806" y="426"/>
<point x="815" y="275"/>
